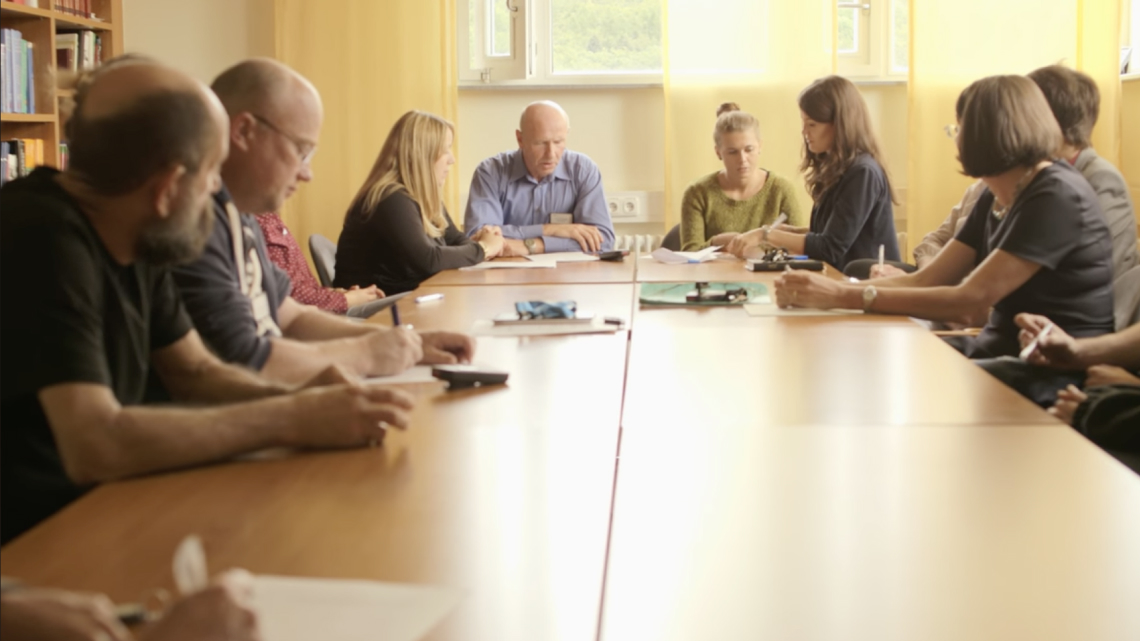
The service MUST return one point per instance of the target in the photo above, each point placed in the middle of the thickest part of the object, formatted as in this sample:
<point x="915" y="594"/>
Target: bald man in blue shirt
<point x="543" y="197"/>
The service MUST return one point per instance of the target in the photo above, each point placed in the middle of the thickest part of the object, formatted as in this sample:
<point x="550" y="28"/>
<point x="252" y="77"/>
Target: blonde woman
<point x="853" y="213"/>
<point x="742" y="196"/>
<point x="397" y="232"/>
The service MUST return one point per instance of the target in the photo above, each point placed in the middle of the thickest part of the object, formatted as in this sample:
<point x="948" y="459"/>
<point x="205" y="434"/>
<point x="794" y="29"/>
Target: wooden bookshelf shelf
<point x="40" y="26"/>
<point x="27" y="117"/>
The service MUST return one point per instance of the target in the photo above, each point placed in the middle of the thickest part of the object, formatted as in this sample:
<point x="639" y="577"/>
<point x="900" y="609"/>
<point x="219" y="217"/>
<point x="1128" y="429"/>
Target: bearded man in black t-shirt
<point x="89" y="308"/>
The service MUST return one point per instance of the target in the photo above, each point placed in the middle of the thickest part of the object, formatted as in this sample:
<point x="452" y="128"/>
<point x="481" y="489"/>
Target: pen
<point x="428" y="297"/>
<point x="1032" y="346"/>
<point x="780" y="220"/>
<point x="882" y="253"/>
<point x="395" y="316"/>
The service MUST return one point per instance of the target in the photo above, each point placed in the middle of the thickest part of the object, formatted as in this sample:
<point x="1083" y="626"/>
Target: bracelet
<point x="764" y="233"/>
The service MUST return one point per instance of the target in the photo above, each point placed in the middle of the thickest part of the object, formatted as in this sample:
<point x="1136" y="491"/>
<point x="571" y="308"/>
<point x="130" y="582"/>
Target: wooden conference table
<point x="845" y="477"/>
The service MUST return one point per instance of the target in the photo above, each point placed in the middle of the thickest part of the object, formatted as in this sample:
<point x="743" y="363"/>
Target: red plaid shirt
<point x="286" y="254"/>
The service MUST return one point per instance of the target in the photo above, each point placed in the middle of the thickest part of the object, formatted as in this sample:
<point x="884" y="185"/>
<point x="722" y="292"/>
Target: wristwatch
<point x="869" y="294"/>
<point x="531" y="245"/>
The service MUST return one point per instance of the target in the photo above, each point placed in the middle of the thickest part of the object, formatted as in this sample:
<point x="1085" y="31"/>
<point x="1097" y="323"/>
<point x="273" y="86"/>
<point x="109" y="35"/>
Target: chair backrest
<point x="324" y="257"/>
<point x="672" y="240"/>
<point x="1126" y="298"/>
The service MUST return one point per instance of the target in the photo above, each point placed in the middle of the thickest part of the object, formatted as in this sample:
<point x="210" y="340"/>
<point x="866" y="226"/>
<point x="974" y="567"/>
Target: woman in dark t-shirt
<point x="397" y="232"/>
<point x="843" y="168"/>
<point x="1036" y="241"/>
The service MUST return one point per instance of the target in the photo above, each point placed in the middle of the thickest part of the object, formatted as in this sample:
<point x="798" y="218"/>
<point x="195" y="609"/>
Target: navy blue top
<point x="1056" y="223"/>
<point x="854" y="217"/>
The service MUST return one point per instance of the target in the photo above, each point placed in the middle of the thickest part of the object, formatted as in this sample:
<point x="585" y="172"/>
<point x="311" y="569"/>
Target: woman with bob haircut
<point x="397" y="232"/>
<point x="843" y="169"/>
<point x="1036" y="241"/>
<point x="741" y="197"/>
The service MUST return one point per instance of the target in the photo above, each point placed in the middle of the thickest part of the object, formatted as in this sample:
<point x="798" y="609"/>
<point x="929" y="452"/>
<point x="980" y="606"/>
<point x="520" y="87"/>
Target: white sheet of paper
<point x="486" y="327"/>
<point x="773" y="310"/>
<point x="562" y="257"/>
<point x="417" y="374"/>
<point x="305" y="609"/>
<point x="679" y="258"/>
<point x="498" y="264"/>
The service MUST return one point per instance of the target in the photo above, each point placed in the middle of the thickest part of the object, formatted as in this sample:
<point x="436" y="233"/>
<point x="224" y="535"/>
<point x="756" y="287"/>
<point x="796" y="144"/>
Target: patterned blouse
<point x="286" y="253"/>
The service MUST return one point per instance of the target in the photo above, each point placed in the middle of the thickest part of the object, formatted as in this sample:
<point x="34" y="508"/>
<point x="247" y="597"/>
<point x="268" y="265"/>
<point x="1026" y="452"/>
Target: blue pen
<point x="395" y="316"/>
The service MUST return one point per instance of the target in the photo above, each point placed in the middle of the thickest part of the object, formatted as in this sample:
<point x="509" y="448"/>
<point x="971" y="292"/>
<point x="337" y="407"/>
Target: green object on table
<point x="675" y="293"/>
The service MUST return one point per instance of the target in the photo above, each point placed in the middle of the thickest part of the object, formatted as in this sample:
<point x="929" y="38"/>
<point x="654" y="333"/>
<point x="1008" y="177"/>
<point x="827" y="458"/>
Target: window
<point x="873" y="38"/>
<point x="560" y="41"/>
<point x="1130" y="39"/>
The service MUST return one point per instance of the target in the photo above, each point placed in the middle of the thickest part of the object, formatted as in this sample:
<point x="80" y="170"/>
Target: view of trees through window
<point x="592" y="36"/>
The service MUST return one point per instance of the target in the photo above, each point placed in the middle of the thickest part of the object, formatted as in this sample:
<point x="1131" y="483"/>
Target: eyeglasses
<point x="305" y="150"/>
<point x="952" y="131"/>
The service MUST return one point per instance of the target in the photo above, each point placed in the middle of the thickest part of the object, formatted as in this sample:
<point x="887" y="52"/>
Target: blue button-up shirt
<point x="504" y="193"/>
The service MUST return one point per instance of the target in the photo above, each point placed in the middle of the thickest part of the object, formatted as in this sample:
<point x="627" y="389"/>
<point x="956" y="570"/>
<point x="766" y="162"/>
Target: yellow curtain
<point x="371" y="61"/>
<point x="740" y="51"/>
<point x="954" y="43"/>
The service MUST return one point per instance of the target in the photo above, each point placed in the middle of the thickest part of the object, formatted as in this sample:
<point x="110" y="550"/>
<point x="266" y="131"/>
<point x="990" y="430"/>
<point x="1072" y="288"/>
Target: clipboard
<point x="677" y="294"/>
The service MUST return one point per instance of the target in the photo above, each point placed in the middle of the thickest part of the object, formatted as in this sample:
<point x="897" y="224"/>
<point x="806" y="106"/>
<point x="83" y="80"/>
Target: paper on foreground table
<point x="774" y="310"/>
<point x="307" y="609"/>
<point x="502" y="264"/>
<point x="679" y="258"/>
<point x="562" y="257"/>
<point x="487" y="327"/>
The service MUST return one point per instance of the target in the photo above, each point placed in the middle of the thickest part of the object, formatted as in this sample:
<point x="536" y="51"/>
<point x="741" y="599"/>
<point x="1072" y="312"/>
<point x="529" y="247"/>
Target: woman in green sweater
<point x="742" y="196"/>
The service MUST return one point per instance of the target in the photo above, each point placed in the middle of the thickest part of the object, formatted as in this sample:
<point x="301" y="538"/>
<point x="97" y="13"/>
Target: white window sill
<point x="1129" y="77"/>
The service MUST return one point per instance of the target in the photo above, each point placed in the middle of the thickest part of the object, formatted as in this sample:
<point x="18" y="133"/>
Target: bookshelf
<point x="39" y="26"/>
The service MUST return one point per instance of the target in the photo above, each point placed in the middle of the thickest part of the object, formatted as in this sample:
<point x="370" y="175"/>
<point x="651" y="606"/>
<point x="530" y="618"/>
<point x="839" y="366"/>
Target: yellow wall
<point x="1130" y="137"/>
<point x="201" y="37"/>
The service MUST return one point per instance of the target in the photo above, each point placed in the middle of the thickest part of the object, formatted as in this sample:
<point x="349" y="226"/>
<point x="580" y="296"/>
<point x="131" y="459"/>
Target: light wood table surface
<point x="872" y="534"/>
<point x="460" y="307"/>
<point x="503" y="493"/>
<point x="795" y="373"/>
<point x="585" y="272"/>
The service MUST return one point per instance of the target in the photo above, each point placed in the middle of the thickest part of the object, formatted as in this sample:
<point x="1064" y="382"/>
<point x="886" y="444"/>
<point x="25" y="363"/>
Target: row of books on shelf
<point x="18" y="83"/>
<point x="78" y="51"/>
<point x="81" y="8"/>
<point x="19" y="156"/>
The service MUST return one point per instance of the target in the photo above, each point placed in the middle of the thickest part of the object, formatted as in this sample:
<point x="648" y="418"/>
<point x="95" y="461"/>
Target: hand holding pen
<point x="1043" y="343"/>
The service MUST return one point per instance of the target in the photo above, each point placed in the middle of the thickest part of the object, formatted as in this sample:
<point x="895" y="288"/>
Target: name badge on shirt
<point x="561" y="219"/>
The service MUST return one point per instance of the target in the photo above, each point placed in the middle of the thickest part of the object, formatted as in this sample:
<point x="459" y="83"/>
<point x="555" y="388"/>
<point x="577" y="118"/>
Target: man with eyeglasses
<point x="239" y="300"/>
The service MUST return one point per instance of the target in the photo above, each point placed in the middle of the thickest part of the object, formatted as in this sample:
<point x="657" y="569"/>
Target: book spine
<point x="31" y="78"/>
<point x="3" y="162"/>
<point x="22" y="78"/>
<point x="4" y="70"/>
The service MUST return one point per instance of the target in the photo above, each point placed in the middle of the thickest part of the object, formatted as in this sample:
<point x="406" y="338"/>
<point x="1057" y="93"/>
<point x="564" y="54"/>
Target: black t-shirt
<point x="71" y="314"/>
<point x="854" y="217"/>
<point x="1057" y="224"/>
<point x="392" y="251"/>
<point x="236" y="317"/>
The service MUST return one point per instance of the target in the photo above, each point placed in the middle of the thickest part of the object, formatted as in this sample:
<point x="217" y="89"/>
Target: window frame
<point x="875" y="59"/>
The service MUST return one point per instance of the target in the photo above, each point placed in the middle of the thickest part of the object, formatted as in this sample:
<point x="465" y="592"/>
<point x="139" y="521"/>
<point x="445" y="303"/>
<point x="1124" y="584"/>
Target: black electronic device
<point x="463" y="376"/>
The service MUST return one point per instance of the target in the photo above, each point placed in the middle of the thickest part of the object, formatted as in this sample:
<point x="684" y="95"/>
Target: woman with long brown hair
<point x="397" y="233"/>
<point x="843" y="169"/>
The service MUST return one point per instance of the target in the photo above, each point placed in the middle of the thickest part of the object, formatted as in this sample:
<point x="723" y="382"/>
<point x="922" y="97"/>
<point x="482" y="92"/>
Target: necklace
<point x="1000" y="212"/>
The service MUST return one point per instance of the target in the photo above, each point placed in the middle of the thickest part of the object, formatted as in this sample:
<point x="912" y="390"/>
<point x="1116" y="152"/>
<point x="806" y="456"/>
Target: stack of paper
<point x="679" y="258"/>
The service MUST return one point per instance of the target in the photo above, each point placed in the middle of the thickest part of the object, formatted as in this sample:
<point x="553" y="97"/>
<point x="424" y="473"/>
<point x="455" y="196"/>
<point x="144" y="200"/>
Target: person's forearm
<point x="294" y="362"/>
<point x="141" y="441"/>
<point x="1121" y="349"/>
<point x="790" y="241"/>
<point x="949" y="304"/>
<point x="315" y="325"/>
<point x="216" y="382"/>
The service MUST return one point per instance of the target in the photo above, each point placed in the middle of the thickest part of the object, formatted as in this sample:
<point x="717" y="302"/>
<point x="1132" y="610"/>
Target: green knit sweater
<point x="706" y="211"/>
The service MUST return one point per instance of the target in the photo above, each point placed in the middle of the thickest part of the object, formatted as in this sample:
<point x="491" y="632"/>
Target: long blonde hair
<point x="405" y="164"/>
<point x="836" y="100"/>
